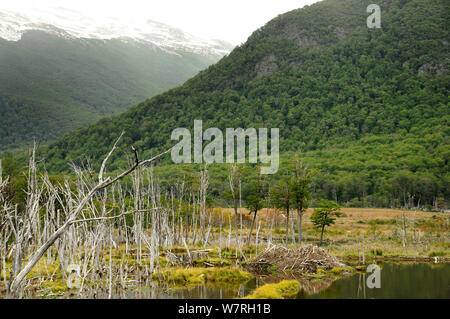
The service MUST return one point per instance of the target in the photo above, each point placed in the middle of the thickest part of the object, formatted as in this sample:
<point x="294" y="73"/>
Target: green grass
<point x="283" y="289"/>
<point x="198" y="276"/>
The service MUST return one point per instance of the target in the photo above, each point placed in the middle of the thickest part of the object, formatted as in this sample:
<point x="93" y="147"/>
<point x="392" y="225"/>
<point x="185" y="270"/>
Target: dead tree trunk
<point x="287" y="225"/>
<point x="251" y="229"/>
<point x="299" y="225"/>
<point x="16" y="282"/>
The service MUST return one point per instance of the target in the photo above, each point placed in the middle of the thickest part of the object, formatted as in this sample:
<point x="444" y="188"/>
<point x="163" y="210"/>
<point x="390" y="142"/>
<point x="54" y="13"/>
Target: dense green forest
<point x="50" y="85"/>
<point x="366" y="108"/>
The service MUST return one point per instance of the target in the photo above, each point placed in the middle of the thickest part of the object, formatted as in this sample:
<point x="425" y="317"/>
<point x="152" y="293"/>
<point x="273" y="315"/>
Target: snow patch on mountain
<point x="71" y="24"/>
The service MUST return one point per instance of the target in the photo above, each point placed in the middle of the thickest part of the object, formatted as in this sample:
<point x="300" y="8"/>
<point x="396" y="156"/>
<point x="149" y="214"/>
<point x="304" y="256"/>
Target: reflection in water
<point x="398" y="280"/>
<point x="412" y="280"/>
<point x="152" y="290"/>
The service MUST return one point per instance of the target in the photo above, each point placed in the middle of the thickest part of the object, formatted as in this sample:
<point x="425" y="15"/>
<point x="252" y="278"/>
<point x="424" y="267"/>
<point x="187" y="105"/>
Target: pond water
<point x="398" y="280"/>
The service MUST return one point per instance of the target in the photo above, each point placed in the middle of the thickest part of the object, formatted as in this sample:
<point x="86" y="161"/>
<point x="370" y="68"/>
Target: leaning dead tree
<point x="25" y="226"/>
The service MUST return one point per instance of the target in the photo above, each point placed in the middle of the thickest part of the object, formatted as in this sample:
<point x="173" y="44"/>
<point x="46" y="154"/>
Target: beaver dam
<point x="308" y="259"/>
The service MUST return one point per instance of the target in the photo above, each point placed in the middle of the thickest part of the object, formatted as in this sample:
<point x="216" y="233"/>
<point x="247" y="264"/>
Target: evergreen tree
<point x="325" y="216"/>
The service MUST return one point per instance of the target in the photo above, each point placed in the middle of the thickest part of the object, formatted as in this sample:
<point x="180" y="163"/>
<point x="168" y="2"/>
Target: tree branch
<point x="59" y="232"/>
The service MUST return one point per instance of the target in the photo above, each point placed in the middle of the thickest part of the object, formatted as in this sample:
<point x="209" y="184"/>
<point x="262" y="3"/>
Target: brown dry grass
<point x="427" y="232"/>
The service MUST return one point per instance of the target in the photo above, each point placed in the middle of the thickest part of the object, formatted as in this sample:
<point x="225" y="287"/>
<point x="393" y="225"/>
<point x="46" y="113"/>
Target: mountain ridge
<point x="51" y="84"/>
<point x="357" y="103"/>
<point x="237" y="72"/>
<point x="73" y="25"/>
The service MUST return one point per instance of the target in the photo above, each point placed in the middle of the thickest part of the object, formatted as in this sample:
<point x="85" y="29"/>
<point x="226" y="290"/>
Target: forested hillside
<point x="367" y="107"/>
<point x="50" y="85"/>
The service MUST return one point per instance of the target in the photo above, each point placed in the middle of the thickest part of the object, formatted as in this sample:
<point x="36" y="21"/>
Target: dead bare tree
<point x="204" y="182"/>
<point x="234" y="180"/>
<point x="403" y="230"/>
<point x="6" y="209"/>
<point x="23" y="227"/>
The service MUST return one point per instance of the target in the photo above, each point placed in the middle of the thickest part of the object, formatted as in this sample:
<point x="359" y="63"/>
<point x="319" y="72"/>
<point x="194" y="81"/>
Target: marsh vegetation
<point x="104" y="235"/>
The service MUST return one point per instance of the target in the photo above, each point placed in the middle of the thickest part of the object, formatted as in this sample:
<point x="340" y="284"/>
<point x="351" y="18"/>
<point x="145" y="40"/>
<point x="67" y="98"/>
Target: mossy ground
<point x="198" y="276"/>
<point x="337" y="272"/>
<point x="281" y="290"/>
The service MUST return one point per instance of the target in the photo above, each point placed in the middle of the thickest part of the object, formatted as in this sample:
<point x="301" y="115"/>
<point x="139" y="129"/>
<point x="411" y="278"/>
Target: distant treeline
<point x="369" y="187"/>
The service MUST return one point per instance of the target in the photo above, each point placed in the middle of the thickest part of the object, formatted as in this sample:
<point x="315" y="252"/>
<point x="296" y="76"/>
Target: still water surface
<point x="398" y="280"/>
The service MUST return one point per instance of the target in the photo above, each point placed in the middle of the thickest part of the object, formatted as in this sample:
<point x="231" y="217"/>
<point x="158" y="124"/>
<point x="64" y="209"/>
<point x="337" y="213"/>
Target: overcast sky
<point x="229" y="20"/>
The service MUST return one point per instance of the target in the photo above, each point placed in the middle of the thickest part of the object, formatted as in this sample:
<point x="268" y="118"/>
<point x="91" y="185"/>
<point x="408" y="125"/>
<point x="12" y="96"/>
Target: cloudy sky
<point x="229" y="20"/>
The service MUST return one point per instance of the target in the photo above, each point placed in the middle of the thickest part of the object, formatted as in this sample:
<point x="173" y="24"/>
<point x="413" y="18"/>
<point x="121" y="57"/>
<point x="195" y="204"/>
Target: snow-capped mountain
<point x="69" y="23"/>
<point x="60" y="70"/>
